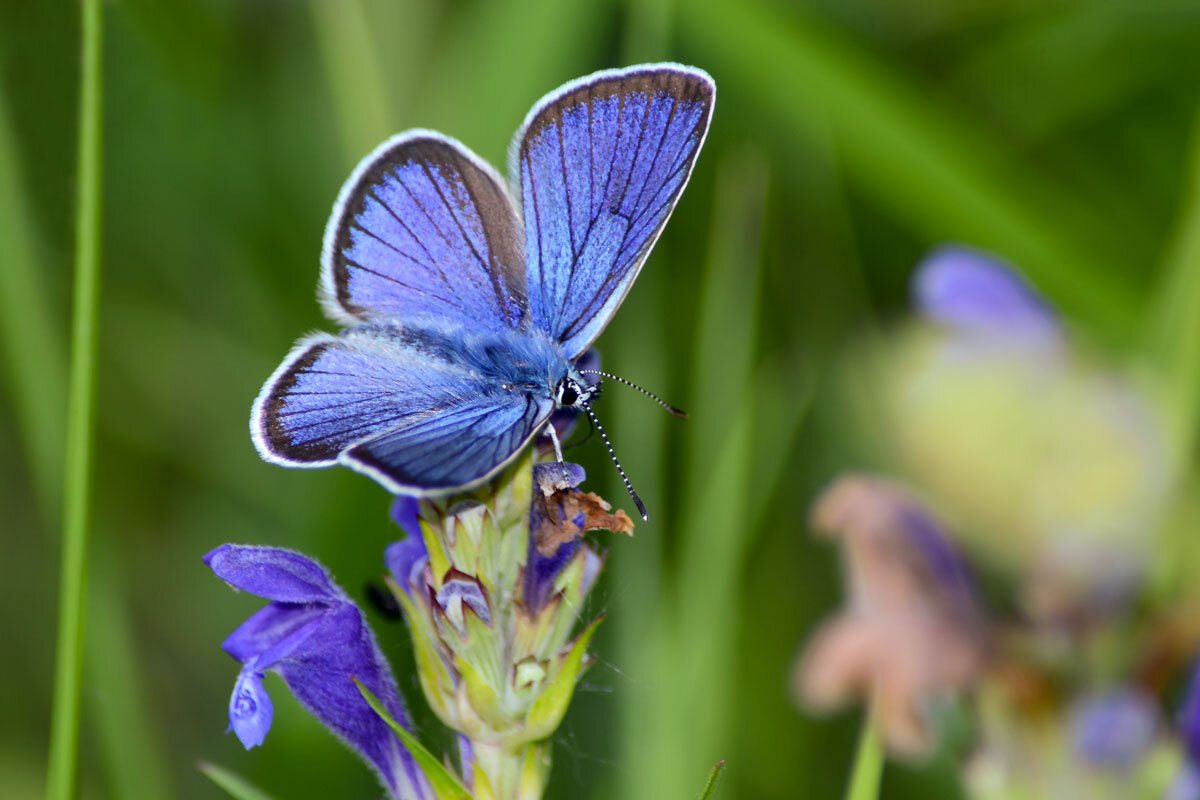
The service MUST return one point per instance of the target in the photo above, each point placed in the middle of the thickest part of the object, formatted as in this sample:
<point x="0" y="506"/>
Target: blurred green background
<point x="849" y="137"/>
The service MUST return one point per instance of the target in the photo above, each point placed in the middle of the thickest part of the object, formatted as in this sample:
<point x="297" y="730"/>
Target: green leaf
<point x="445" y="785"/>
<point x="548" y="710"/>
<point x="234" y="785"/>
<point x="714" y="777"/>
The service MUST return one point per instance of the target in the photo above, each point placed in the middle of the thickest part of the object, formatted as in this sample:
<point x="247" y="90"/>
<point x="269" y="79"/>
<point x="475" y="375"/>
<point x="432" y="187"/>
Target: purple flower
<point x="558" y="515"/>
<point x="1185" y="785"/>
<point x="1116" y="728"/>
<point x="982" y="299"/>
<point x="315" y="638"/>
<point x="1189" y="717"/>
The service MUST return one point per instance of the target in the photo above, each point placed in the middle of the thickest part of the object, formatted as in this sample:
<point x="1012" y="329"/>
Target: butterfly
<point x="469" y="305"/>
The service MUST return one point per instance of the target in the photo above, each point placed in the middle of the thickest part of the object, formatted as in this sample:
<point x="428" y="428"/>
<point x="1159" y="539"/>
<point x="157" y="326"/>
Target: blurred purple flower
<point x="981" y="298"/>
<point x="1114" y="729"/>
<point x="558" y="515"/>
<point x="1188" y="720"/>
<point x="911" y="628"/>
<point x="315" y="638"/>
<point x="1185" y="785"/>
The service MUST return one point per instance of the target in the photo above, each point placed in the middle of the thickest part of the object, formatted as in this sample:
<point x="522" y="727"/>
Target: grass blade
<point x="77" y="486"/>
<point x="234" y="785"/>
<point x="710" y="786"/>
<point x="29" y="341"/>
<point x="1176" y="332"/>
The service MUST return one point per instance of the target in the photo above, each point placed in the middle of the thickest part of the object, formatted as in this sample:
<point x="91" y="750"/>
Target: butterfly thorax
<point x="523" y="360"/>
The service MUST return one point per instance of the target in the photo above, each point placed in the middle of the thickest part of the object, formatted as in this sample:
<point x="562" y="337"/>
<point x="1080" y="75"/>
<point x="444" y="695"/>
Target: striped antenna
<point x="637" y="501"/>
<point x="677" y="412"/>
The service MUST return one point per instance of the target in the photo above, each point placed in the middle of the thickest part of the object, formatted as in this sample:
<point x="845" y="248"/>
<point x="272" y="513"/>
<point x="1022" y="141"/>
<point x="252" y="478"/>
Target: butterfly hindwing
<point x="450" y="448"/>
<point x="396" y="404"/>
<point x="598" y="167"/>
<point x="424" y="227"/>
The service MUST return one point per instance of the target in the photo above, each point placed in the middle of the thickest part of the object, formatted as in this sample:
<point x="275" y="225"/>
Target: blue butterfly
<point x="469" y="307"/>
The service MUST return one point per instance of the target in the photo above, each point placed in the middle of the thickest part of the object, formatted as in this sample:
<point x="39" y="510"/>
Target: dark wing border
<point x="273" y="390"/>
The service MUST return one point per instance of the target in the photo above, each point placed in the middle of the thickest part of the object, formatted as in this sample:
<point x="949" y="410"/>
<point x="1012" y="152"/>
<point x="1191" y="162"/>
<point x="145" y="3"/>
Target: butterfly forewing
<point x="424" y="228"/>
<point x="599" y="165"/>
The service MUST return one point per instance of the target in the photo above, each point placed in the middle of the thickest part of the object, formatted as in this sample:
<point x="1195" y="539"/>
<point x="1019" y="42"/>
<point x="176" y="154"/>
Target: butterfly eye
<point x="567" y="393"/>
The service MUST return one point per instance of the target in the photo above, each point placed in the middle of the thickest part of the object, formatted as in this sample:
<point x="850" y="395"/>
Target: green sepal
<point x="439" y="562"/>
<point x="483" y="784"/>
<point x="482" y="697"/>
<point x="535" y="770"/>
<point x="436" y="682"/>
<point x="444" y="783"/>
<point x="714" y="777"/>
<point x="550" y="706"/>
<point x="234" y="785"/>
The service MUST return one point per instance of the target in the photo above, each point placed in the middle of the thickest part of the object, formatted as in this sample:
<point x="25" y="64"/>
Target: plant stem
<point x="868" y="764"/>
<point x="64" y="730"/>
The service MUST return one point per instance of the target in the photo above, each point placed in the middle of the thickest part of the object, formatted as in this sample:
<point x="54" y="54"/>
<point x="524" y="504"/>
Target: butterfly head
<point x="574" y="392"/>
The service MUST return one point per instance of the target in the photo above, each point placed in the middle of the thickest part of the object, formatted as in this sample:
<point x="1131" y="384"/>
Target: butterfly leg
<point x="554" y="438"/>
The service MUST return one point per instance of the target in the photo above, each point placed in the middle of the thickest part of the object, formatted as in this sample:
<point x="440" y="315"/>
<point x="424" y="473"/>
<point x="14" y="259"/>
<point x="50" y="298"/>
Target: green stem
<point x="504" y="766"/>
<point x="868" y="764"/>
<point x="64" y="730"/>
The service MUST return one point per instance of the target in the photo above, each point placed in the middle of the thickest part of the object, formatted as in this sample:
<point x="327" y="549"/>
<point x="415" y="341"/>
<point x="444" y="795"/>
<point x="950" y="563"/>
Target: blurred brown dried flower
<point x="911" y="628"/>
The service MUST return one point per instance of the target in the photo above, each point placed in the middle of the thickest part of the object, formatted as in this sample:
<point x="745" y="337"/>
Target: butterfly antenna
<point x="677" y="412"/>
<point x="637" y="501"/>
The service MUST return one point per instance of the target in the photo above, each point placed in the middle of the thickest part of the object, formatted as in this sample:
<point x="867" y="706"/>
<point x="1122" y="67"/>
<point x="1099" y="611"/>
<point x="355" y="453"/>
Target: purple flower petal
<point x="406" y="560"/>
<point x="540" y="572"/>
<point x="466" y="761"/>
<point x="250" y="709"/>
<point x="273" y="573"/>
<point x="557" y="476"/>
<point x="404" y="514"/>
<point x="273" y="632"/>
<point x="458" y="592"/>
<point x="978" y="295"/>
<point x="924" y="533"/>
<point x="321" y="681"/>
